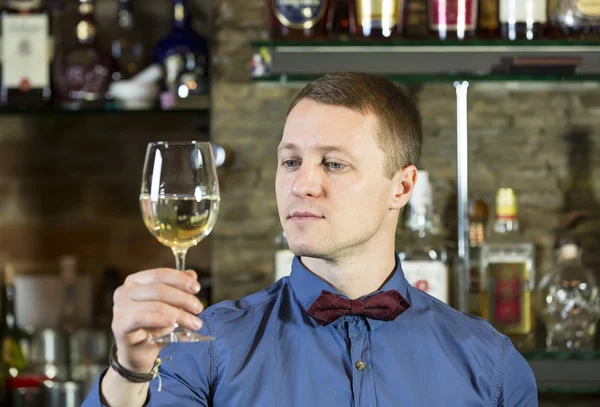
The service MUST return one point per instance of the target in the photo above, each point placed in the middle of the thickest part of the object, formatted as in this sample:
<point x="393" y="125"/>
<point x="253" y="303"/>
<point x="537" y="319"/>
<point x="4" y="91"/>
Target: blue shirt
<point x="269" y="352"/>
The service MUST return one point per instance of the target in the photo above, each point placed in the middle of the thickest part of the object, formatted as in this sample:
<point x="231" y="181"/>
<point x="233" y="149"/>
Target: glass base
<point x="181" y="335"/>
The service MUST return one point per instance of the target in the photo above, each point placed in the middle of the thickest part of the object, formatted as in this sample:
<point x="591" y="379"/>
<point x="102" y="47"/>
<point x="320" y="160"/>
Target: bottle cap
<point x="9" y="274"/>
<point x="506" y="203"/>
<point x="568" y="251"/>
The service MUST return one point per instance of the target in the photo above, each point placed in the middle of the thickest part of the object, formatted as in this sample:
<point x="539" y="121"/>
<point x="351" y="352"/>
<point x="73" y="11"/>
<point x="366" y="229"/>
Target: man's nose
<point x="307" y="182"/>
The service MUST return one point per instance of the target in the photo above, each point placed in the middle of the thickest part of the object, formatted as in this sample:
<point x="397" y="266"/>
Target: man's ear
<point x="403" y="184"/>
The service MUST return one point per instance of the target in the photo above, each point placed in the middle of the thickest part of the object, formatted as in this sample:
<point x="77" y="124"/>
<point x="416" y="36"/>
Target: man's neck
<point x="354" y="276"/>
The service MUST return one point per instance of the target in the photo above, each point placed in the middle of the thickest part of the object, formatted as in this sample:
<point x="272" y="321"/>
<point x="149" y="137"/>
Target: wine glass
<point x="179" y="200"/>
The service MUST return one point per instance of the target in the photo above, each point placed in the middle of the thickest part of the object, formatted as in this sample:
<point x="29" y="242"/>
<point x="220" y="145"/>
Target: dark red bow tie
<point x="385" y="306"/>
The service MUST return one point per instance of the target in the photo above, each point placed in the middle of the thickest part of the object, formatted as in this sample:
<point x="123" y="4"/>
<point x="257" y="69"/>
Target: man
<point x="346" y="167"/>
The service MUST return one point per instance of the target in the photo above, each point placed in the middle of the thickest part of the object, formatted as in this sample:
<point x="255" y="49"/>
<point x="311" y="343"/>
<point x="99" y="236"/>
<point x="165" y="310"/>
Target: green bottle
<point x="13" y="359"/>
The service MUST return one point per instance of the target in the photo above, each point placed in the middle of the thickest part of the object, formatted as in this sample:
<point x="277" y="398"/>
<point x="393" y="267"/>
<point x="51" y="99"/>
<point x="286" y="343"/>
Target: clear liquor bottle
<point x="508" y="267"/>
<point x="424" y="257"/>
<point x="578" y="18"/>
<point x="569" y="301"/>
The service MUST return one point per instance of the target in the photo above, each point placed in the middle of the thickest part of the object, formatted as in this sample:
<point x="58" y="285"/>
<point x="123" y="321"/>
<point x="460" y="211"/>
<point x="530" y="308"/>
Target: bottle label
<point x="523" y="11"/>
<point x="381" y="14"/>
<point x="589" y="8"/>
<point x="428" y="276"/>
<point x="283" y="263"/>
<point x="299" y="14"/>
<point x="452" y="14"/>
<point x="488" y="14"/>
<point x="25" y="51"/>
<point x="509" y="296"/>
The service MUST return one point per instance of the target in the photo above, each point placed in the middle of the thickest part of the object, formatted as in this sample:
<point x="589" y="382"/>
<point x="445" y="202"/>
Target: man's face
<point x="332" y="192"/>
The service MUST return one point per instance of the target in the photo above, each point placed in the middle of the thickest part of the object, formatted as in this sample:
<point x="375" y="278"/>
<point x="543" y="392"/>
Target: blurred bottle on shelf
<point x="578" y="18"/>
<point x="83" y="70"/>
<point x="379" y="18"/>
<point x="523" y="19"/>
<point x="13" y="358"/>
<point x="128" y="48"/>
<point x="193" y="79"/>
<point x="184" y="56"/>
<point x="508" y="267"/>
<point x="453" y="19"/>
<point x="26" y="48"/>
<point x="569" y="301"/>
<point x="341" y="19"/>
<point x="297" y="20"/>
<point x="478" y="215"/>
<point x="423" y="251"/>
<point x="416" y="23"/>
<point x="488" y="25"/>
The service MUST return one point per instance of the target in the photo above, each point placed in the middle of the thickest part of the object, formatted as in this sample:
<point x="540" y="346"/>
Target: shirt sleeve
<point x="185" y="376"/>
<point x="517" y="383"/>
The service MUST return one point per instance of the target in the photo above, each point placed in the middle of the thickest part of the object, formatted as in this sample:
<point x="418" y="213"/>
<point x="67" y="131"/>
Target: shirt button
<point x="360" y="365"/>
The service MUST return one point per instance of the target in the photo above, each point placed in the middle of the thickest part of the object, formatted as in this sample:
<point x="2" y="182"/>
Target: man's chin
<point x="304" y="250"/>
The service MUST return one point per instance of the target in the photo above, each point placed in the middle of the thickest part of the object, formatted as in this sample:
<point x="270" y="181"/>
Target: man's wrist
<point x="128" y="374"/>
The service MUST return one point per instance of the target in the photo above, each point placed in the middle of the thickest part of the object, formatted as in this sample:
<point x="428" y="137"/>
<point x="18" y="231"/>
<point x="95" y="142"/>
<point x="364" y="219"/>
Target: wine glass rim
<point x="178" y="143"/>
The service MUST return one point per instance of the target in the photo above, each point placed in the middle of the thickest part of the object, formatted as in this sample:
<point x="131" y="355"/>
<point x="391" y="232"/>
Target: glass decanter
<point x="569" y="301"/>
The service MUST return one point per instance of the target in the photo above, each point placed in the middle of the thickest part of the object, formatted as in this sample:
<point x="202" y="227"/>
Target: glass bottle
<point x="489" y="22"/>
<point x="379" y="18"/>
<point x="68" y="313"/>
<point x="171" y="50"/>
<point x="13" y="358"/>
<point x="478" y="215"/>
<point x="297" y="20"/>
<point x="341" y="19"/>
<point x="193" y="79"/>
<point x="417" y="18"/>
<point x="283" y="257"/>
<point x="84" y="71"/>
<point x="26" y="52"/>
<point x="569" y="301"/>
<point x="127" y="48"/>
<point x="508" y="267"/>
<point x="579" y="18"/>
<point x="523" y="19"/>
<point x="424" y="257"/>
<point x="453" y="19"/>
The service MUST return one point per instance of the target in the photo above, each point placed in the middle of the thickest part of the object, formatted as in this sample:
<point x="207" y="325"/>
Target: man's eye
<point x="290" y="163"/>
<point x="335" y="166"/>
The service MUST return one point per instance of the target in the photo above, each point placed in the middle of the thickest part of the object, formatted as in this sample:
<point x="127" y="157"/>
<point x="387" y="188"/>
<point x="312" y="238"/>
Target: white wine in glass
<point x="179" y="201"/>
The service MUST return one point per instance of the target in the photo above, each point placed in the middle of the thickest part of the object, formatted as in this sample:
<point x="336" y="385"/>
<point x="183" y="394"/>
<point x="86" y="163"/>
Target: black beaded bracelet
<point x="133" y="377"/>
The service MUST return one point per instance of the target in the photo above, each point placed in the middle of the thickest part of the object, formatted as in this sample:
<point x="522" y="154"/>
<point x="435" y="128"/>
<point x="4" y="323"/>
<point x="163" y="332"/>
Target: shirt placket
<point x="362" y="372"/>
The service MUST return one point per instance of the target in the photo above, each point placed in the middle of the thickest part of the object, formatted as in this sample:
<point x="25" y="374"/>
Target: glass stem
<point x="180" y="259"/>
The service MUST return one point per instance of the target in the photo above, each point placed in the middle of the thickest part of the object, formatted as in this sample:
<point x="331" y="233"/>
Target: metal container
<point x="62" y="394"/>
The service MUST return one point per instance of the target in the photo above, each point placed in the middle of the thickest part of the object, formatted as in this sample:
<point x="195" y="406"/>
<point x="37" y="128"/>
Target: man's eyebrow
<point x="323" y="149"/>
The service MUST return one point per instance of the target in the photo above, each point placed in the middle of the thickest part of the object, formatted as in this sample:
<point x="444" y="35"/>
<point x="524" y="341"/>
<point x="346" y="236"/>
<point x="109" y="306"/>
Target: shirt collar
<point x="307" y="286"/>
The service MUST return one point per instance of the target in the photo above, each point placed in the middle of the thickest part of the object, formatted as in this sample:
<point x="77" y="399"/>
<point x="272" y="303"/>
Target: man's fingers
<point x="153" y="315"/>
<point x="185" y="281"/>
<point x="167" y="294"/>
